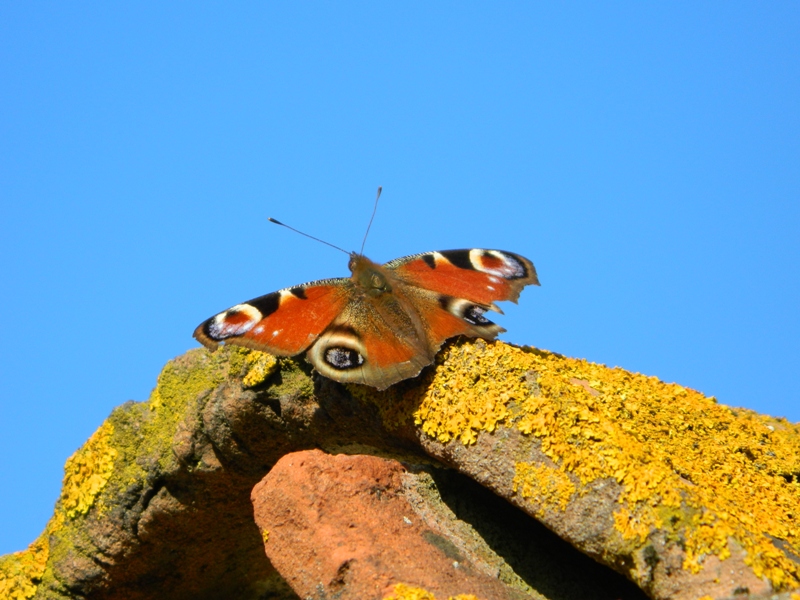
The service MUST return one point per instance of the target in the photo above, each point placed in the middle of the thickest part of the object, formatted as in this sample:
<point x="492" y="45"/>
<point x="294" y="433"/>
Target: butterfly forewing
<point x="478" y="275"/>
<point x="284" y="323"/>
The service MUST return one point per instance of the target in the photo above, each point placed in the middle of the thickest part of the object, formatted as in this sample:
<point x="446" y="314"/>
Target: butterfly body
<point x="384" y="323"/>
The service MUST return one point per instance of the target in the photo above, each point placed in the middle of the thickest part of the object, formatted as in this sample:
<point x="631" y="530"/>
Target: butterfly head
<point x="369" y="276"/>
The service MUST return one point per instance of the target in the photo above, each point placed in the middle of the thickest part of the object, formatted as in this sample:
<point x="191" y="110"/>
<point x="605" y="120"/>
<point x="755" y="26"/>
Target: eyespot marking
<point x="498" y="263"/>
<point x="469" y="312"/>
<point x="235" y="321"/>
<point x="343" y="358"/>
<point x="338" y="350"/>
<point x="473" y="314"/>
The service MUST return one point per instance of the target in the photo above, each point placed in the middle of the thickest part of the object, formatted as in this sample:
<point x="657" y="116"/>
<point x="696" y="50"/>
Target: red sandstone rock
<point x="343" y="526"/>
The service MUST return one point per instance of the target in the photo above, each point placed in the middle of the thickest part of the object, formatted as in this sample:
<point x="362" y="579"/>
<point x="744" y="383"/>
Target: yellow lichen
<point x="672" y="447"/>
<point x="21" y="572"/>
<point x="457" y="405"/>
<point x="544" y="484"/>
<point x="699" y="469"/>
<point x="106" y="462"/>
<point x="406" y="592"/>
<point x="155" y="402"/>
<point x="265" y="536"/>
<point x="87" y="471"/>
<point x="181" y="382"/>
<point x="260" y="365"/>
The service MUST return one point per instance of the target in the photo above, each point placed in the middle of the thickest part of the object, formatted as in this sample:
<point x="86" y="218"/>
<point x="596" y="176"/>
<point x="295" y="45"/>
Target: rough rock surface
<point x="354" y="527"/>
<point x="341" y="526"/>
<point x="684" y="497"/>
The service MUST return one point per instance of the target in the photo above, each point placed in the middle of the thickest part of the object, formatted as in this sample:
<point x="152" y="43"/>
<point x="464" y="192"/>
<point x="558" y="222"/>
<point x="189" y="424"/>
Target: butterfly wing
<point x="353" y="335"/>
<point x="372" y="343"/>
<point x="349" y="337"/>
<point x="283" y="323"/>
<point x="475" y="275"/>
<point x="454" y="288"/>
<point x="384" y="338"/>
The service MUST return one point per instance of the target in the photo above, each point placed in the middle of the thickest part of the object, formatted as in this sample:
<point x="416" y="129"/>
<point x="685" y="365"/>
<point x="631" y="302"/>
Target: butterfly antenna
<point x="372" y="218"/>
<point x="308" y="236"/>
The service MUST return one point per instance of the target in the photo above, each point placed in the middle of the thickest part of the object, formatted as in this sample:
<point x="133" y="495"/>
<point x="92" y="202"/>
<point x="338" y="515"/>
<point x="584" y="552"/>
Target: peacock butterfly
<point x="384" y="323"/>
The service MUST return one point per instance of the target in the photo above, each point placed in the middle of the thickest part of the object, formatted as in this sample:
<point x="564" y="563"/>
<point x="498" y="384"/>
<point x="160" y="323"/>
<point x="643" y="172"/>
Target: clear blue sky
<point x="645" y="156"/>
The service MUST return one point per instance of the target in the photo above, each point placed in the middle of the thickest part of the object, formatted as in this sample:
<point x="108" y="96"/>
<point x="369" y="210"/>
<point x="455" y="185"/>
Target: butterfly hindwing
<point x="374" y="355"/>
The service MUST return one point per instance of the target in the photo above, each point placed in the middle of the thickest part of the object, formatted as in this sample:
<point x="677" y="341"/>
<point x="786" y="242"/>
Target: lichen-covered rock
<point x="686" y="497"/>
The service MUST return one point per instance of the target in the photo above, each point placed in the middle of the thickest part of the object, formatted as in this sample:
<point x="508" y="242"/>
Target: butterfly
<point x="384" y="323"/>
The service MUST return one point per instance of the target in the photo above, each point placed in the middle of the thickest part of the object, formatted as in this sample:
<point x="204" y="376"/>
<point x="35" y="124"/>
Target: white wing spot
<point x="276" y="332"/>
<point x="221" y="328"/>
<point x="509" y="269"/>
<point x="343" y="358"/>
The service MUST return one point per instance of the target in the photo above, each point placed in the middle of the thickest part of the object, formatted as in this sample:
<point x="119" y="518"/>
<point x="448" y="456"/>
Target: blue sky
<point x="645" y="157"/>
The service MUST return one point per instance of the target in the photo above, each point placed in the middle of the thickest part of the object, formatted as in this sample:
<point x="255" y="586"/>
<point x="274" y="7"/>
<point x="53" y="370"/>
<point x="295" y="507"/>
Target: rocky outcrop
<point x="503" y="472"/>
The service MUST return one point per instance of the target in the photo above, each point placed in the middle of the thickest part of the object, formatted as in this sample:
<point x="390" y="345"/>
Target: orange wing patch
<point x="282" y="323"/>
<point x="480" y="276"/>
<point x="443" y="325"/>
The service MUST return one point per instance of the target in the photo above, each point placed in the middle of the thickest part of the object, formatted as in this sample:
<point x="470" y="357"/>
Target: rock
<point x="683" y="496"/>
<point x="686" y="497"/>
<point x="358" y="526"/>
<point x="345" y="527"/>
